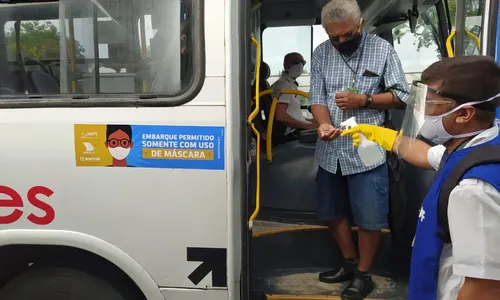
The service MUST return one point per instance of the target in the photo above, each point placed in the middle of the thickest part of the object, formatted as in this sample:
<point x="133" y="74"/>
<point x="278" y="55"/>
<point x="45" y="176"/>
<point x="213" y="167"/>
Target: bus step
<point x="265" y="228"/>
<point x="307" y="297"/>
<point x="278" y="246"/>
<point x="304" y="285"/>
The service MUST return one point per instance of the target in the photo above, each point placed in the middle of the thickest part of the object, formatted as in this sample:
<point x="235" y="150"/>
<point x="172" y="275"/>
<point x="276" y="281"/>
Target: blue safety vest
<point x="428" y="244"/>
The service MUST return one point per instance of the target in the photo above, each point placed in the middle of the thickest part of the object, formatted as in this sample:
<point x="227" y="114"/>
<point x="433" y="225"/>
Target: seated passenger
<point x="288" y="110"/>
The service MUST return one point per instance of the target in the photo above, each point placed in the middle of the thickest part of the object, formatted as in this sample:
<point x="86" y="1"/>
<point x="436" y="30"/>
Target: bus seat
<point x="17" y="81"/>
<point x="265" y="72"/>
<point x="55" y="70"/>
<point x="265" y="101"/>
<point x="43" y="83"/>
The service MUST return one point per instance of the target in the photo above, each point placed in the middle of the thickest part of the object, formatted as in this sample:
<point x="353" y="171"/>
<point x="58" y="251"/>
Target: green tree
<point x="39" y="40"/>
<point x="426" y="29"/>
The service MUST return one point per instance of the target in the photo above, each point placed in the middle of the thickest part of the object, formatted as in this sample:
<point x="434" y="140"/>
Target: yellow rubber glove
<point x="385" y="137"/>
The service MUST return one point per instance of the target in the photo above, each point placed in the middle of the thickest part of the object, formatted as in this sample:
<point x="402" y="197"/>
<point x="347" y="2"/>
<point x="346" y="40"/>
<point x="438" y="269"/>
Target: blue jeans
<point x="365" y="194"/>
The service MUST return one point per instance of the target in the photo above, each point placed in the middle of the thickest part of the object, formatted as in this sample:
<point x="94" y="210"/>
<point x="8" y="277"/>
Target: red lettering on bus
<point x="16" y="201"/>
<point x="49" y="211"/>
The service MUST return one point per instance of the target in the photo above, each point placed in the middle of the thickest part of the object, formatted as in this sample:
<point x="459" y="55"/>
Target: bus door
<point x="289" y="246"/>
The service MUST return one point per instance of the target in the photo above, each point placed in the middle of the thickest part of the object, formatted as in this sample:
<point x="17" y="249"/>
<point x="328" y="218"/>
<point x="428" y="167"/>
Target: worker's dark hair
<point x="468" y="78"/>
<point x="291" y="59"/>
<point x="110" y="129"/>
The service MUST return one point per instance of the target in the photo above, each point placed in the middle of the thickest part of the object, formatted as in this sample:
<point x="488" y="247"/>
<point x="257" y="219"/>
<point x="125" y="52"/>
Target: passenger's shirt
<point x="474" y="221"/>
<point x="376" y="68"/>
<point x="285" y="82"/>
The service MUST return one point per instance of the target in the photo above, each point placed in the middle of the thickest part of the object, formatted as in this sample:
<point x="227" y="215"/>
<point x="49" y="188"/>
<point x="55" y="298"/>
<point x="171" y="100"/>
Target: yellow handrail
<point x="448" y="43"/>
<point x="449" y="49"/>
<point x="257" y="135"/>
<point x="272" y="112"/>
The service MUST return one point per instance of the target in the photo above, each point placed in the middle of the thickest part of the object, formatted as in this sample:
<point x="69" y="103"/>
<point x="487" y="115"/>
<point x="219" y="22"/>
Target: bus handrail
<point x="449" y="49"/>
<point x="272" y="112"/>
<point x="257" y="134"/>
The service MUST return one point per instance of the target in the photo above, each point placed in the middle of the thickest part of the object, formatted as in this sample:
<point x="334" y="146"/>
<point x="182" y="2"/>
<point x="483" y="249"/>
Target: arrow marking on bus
<point x="213" y="260"/>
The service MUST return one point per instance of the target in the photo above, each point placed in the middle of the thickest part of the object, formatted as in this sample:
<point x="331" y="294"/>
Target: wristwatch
<point x="369" y="100"/>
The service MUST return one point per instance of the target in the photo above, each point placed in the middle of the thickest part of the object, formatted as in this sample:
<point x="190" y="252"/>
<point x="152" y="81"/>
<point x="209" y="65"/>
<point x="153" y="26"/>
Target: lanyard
<point x="355" y="72"/>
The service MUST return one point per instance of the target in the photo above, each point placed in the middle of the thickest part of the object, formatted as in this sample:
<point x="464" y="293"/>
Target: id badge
<point x="356" y="91"/>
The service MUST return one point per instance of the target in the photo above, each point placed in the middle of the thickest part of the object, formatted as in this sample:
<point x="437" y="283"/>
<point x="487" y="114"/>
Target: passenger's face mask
<point x="349" y="46"/>
<point x="296" y="70"/>
<point x="432" y="126"/>
<point x="119" y="153"/>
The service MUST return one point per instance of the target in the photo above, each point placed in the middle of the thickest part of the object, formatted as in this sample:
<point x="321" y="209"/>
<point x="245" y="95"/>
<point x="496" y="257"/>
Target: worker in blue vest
<point x="454" y="106"/>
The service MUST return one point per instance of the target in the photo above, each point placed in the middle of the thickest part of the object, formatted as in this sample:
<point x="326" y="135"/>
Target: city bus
<point x="126" y="129"/>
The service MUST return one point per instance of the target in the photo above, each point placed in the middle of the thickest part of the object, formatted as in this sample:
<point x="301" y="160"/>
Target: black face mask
<point x="349" y="46"/>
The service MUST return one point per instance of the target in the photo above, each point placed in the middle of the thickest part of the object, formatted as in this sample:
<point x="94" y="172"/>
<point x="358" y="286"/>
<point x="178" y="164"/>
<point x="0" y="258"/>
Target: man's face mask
<point x="350" y="45"/>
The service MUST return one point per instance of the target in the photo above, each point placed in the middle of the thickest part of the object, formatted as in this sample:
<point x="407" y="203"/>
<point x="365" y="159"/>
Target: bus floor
<point x="287" y="257"/>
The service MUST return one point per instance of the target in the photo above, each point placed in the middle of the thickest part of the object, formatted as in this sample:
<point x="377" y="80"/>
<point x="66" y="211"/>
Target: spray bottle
<point x="369" y="152"/>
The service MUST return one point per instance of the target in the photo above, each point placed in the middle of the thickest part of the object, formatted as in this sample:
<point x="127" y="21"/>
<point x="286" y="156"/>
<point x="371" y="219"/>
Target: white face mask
<point x="296" y="70"/>
<point x="431" y="127"/>
<point x="119" y="153"/>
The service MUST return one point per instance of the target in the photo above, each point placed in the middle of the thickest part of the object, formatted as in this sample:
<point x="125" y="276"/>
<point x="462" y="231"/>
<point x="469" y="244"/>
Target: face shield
<point x="424" y="115"/>
<point x="424" y="104"/>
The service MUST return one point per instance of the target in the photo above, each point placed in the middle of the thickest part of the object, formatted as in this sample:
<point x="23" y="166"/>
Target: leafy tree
<point x="426" y="29"/>
<point x="39" y="40"/>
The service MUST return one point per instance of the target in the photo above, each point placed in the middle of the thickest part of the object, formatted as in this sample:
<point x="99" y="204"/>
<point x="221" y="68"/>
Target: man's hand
<point x="327" y="132"/>
<point x="350" y="100"/>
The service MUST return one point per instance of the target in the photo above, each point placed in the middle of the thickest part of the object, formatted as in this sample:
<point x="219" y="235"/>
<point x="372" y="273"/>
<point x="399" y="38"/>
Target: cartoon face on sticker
<point x="119" y="142"/>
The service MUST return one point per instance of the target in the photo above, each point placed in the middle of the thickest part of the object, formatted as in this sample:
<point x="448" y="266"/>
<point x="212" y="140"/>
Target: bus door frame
<point x="444" y="25"/>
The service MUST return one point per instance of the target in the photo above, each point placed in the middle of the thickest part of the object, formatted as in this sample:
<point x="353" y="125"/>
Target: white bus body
<point x="149" y="222"/>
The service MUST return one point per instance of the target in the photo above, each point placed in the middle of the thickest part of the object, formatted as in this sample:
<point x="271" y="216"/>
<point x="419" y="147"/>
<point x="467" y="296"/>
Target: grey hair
<point x="339" y="11"/>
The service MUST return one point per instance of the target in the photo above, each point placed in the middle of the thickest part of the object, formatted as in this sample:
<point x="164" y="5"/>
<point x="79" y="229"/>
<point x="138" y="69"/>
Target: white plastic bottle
<point x="369" y="152"/>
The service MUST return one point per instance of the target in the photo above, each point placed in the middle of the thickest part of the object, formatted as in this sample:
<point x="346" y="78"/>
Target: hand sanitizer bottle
<point x="369" y="152"/>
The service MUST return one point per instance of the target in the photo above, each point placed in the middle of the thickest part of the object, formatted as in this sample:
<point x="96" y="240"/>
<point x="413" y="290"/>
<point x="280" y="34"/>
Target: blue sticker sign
<point x="150" y="146"/>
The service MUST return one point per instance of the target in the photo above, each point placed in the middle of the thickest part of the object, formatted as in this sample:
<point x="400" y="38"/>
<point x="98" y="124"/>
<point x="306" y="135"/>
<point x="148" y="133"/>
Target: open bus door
<point x="289" y="247"/>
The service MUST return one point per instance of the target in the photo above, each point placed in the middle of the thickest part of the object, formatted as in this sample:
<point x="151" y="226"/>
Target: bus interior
<point x="127" y="47"/>
<point x="289" y="247"/>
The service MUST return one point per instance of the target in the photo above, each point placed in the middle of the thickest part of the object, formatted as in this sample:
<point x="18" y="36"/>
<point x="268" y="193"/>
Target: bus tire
<point x="59" y="283"/>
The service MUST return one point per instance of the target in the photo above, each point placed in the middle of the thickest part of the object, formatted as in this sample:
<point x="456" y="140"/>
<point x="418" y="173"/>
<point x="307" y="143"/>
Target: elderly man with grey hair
<point x="353" y="74"/>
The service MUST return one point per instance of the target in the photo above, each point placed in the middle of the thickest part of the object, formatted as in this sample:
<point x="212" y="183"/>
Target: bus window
<point x="471" y="13"/>
<point x="420" y="49"/>
<point x="319" y="36"/>
<point x="99" y="47"/>
<point x="474" y="10"/>
<point x="277" y="42"/>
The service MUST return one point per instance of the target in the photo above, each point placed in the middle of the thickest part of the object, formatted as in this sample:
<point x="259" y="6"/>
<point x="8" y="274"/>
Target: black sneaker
<point x="360" y="287"/>
<point x="343" y="273"/>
